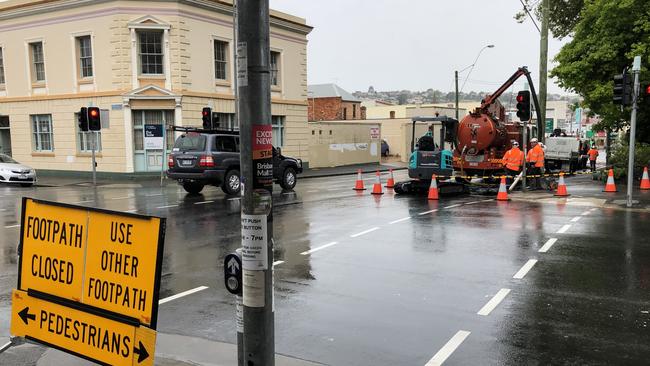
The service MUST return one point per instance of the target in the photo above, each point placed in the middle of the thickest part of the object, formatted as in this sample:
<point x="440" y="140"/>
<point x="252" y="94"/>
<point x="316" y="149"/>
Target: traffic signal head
<point x="83" y="119"/>
<point x="94" y="121"/>
<point x="523" y="105"/>
<point x="206" y="116"/>
<point x="623" y="89"/>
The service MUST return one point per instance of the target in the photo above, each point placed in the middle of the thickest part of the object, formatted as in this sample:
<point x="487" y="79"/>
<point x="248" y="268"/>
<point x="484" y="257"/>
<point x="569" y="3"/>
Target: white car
<point x="13" y="172"/>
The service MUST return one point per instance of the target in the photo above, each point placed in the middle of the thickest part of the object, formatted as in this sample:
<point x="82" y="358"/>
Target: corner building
<point x="140" y="62"/>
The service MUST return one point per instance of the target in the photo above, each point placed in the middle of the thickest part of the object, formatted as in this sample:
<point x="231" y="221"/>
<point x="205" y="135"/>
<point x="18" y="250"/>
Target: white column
<point x="128" y="136"/>
<point x="134" y="60"/>
<point x="178" y="113"/>
<point x="167" y="66"/>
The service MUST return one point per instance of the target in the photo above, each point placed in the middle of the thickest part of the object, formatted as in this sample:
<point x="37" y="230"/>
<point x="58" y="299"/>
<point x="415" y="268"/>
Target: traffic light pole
<point x="254" y="107"/>
<point x="93" y="140"/>
<point x="636" y="68"/>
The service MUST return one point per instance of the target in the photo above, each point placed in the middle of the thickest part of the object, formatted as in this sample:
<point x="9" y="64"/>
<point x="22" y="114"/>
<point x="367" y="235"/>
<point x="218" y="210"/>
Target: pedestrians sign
<point x="84" y="334"/>
<point x="101" y="259"/>
<point x="232" y="268"/>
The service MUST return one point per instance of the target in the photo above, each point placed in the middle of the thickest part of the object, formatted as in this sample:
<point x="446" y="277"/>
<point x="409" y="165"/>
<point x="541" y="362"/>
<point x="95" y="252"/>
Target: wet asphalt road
<point x="398" y="280"/>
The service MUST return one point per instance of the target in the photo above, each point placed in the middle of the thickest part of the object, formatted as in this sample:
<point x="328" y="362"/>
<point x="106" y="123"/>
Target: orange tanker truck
<point x="484" y="135"/>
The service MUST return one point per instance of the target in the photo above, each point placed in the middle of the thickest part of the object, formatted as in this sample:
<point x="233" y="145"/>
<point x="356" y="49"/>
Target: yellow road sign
<point x="81" y="333"/>
<point x="99" y="258"/>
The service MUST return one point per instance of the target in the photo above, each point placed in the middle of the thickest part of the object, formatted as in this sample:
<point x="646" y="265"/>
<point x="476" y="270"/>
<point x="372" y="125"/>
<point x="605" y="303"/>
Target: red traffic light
<point x="205" y="113"/>
<point x="647" y="90"/>
<point x="520" y="98"/>
<point x="93" y="113"/>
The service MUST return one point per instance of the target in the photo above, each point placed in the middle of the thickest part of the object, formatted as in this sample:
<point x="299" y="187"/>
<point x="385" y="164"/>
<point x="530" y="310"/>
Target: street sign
<point x="101" y="259"/>
<point x="81" y="333"/>
<point x="232" y="273"/>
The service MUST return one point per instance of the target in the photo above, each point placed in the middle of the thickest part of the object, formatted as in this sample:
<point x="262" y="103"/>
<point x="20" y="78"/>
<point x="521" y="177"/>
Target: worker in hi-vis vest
<point x="535" y="160"/>
<point x="513" y="160"/>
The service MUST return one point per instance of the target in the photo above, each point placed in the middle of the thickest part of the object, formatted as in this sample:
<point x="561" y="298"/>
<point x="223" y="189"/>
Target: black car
<point x="205" y="158"/>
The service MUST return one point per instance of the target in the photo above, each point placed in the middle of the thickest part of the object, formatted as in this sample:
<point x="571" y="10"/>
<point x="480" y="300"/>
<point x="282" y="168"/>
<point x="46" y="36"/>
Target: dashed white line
<point x="277" y="263"/>
<point x="400" y="220"/>
<point x="427" y="212"/>
<point x="576" y="219"/>
<point x="168" y="206"/>
<point x="563" y="229"/>
<point x="473" y="202"/>
<point x="312" y="191"/>
<point x="11" y="226"/>
<point x="593" y="209"/>
<point x="319" y="248"/>
<point x="78" y="202"/>
<point x="203" y="202"/>
<point x="132" y="211"/>
<point x="184" y="293"/>
<point x="452" y="206"/>
<point x="234" y="199"/>
<point x="494" y="302"/>
<point x="448" y="348"/>
<point x="585" y="213"/>
<point x="364" y="232"/>
<point x="153" y="195"/>
<point x="549" y="243"/>
<point x="524" y="269"/>
<point x="121" y="198"/>
<point x="488" y="200"/>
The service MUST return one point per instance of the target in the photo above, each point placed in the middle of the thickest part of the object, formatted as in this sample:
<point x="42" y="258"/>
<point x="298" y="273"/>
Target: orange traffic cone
<point x="561" y="188"/>
<point x="610" y="186"/>
<point x="645" y="181"/>
<point x="376" y="188"/>
<point x="358" y="186"/>
<point x="391" y="181"/>
<point x="503" y="191"/>
<point x="433" y="189"/>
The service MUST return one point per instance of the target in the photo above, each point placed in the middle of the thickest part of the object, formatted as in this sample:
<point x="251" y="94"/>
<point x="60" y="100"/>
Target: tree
<point x="607" y="36"/>
<point x="564" y="15"/>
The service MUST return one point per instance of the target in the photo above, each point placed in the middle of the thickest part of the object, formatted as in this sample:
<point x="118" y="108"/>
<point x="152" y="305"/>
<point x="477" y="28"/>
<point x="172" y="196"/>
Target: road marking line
<point x="549" y="243"/>
<point x="448" y="348"/>
<point x="121" y="198"/>
<point x="319" y="248"/>
<point x="526" y="267"/>
<point x="585" y="213"/>
<point x="185" y="293"/>
<point x="168" y="206"/>
<point x="576" y="219"/>
<point x="11" y="226"/>
<point x="400" y="220"/>
<point x="277" y="263"/>
<point x="491" y="199"/>
<point x="452" y="206"/>
<point x="364" y="232"/>
<point x="234" y="199"/>
<point x="202" y="202"/>
<point x="132" y="211"/>
<point x="593" y="209"/>
<point x="312" y="191"/>
<point x="494" y="302"/>
<point x="153" y="195"/>
<point x="78" y="202"/>
<point x="427" y="212"/>
<point x="473" y="203"/>
<point x="563" y="229"/>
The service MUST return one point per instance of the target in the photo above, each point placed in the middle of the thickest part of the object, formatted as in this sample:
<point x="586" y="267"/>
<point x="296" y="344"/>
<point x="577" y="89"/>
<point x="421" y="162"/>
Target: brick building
<point x="329" y="102"/>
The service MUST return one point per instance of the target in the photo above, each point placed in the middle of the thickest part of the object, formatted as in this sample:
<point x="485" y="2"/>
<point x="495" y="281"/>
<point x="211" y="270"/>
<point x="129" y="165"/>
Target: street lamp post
<point x="459" y="71"/>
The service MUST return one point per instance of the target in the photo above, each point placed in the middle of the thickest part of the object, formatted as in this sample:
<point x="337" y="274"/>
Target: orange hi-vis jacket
<point x="593" y="154"/>
<point x="536" y="155"/>
<point x="513" y="159"/>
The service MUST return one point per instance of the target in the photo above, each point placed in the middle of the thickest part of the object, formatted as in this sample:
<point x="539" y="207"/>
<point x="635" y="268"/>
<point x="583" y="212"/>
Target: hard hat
<point x="533" y="140"/>
<point x="515" y="143"/>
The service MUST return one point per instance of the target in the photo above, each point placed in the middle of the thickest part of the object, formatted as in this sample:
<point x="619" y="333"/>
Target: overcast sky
<point x="417" y="44"/>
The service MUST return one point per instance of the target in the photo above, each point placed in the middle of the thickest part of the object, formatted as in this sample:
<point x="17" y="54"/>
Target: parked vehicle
<point x="562" y="153"/>
<point x="13" y="172"/>
<point x="201" y="158"/>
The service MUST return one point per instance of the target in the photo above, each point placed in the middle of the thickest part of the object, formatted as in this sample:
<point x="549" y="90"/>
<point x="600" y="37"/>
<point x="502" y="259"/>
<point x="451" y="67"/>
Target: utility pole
<point x="456" y="75"/>
<point x="543" y="71"/>
<point x="636" y="68"/>
<point x="254" y="107"/>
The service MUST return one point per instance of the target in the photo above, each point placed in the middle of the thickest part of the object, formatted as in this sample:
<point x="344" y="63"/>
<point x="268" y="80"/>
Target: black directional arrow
<point x="141" y="352"/>
<point x="26" y="316"/>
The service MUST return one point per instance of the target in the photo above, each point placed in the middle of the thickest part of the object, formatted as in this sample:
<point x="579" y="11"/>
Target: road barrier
<point x="433" y="189"/>
<point x="645" y="181"/>
<point x="610" y="186"/>
<point x="561" y="188"/>
<point x="358" y="186"/>
<point x="391" y="181"/>
<point x="502" y="195"/>
<point x="376" y="188"/>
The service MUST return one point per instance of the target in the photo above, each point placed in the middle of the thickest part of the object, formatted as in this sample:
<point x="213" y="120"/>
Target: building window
<point x="2" y="67"/>
<point x="275" y="68"/>
<point x="220" y="60"/>
<point x="354" y="111"/>
<point x="38" y="61"/>
<point x="345" y="113"/>
<point x="85" y="56"/>
<point x="85" y="139"/>
<point x="278" y="130"/>
<point x="226" y="121"/>
<point x="151" y="52"/>
<point x="42" y="132"/>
